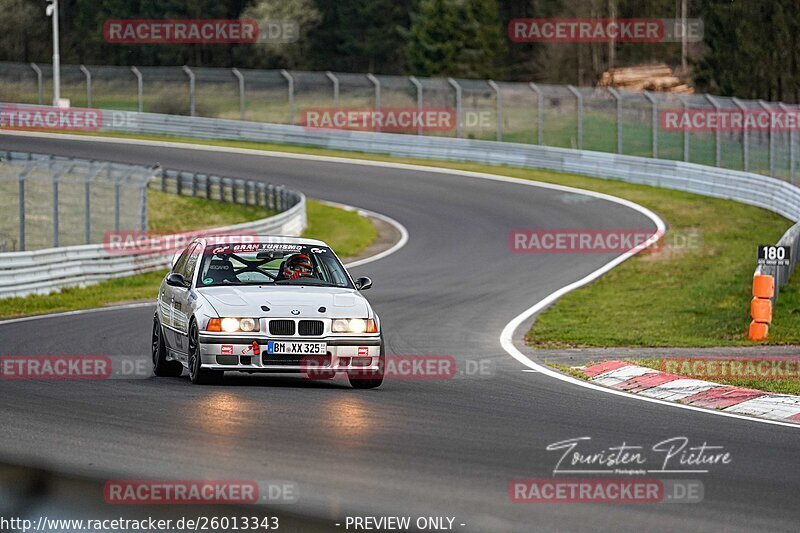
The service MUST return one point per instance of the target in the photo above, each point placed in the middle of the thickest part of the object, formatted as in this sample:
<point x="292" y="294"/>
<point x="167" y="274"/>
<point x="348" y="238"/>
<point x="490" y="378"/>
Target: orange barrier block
<point x="763" y="286"/>
<point x="758" y="331"/>
<point x="761" y="310"/>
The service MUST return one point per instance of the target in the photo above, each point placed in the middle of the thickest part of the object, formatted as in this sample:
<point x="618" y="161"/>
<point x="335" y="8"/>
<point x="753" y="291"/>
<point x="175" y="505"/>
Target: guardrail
<point x="46" y="270"/>
<point x="592" y="118"/>
<point x="754" y="189"/>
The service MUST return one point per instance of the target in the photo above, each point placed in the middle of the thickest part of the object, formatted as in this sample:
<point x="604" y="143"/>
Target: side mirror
<point x="363" y="284"/>
<point x="175" y="258"/>
<point x="176" y="280"/>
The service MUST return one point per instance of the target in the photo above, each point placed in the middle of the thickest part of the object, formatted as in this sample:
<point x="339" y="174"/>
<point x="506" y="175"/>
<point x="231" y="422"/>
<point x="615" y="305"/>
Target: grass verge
<point x="346" y="231"/>
<point x="681" y="296"/>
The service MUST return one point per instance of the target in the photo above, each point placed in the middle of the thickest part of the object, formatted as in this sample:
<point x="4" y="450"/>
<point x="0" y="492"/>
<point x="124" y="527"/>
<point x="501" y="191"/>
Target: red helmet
<point x="298" y="266"/>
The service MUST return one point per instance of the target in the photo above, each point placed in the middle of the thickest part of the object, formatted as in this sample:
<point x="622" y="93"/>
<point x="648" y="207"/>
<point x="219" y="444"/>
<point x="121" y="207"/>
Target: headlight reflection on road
<point x="223" y="413"/>
<point x="345" y="418"/>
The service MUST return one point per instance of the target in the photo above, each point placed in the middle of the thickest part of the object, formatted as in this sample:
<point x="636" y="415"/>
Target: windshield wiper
<point x="305" y="281"/>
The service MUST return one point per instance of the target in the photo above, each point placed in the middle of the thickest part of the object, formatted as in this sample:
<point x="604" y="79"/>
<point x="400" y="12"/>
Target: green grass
<point x="566" y="369"/>
<point x="169" y="212"/>
<point x="780" y="386"/>
<point x="346" y="231"/>
<point x="678" y="297"/>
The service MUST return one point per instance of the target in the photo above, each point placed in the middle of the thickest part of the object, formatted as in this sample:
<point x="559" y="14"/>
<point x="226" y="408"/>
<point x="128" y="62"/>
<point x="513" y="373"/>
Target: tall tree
<point x="456" y="37"/>
<point x="294" y="54"/>
<point x="434" y="38"/>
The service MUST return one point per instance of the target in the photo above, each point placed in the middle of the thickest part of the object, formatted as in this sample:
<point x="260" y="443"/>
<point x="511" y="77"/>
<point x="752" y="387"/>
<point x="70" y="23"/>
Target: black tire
<point x="198" y="375"/>
<point x="161" y="366"/>
<point x="371" y="379"/>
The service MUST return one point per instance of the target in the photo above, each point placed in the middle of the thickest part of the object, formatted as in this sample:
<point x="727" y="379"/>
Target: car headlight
<point x="354" y="325"/>
<point x="233" y="325"/>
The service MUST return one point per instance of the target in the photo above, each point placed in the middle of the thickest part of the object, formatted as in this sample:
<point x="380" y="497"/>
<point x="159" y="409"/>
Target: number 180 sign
<point x="771" y="255"/>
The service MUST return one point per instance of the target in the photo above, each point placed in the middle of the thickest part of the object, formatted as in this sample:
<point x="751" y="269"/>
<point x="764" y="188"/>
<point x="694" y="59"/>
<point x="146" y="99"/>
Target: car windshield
<point x="271" y="264"/>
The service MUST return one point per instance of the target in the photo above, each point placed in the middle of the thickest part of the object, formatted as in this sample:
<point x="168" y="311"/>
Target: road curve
<point x="442" y="447"/>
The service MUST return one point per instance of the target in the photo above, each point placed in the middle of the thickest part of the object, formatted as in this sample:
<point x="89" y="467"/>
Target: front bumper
<point x="236" y="352"/>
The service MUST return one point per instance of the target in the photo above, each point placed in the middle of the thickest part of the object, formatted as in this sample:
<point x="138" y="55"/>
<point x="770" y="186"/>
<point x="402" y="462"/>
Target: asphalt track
<point x="412" y="447"/>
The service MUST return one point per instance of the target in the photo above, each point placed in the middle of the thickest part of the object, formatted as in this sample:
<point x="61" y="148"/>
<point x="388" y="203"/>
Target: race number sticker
<point x="770" y="255"/>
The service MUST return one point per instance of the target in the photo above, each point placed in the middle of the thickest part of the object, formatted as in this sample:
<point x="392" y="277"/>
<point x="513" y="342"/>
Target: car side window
<point x="191" y="262"/>
<point x="181" y="262"/>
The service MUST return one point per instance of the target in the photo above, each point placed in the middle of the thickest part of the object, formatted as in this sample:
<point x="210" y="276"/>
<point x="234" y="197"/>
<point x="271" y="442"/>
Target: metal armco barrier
<point x="592" y="118"/>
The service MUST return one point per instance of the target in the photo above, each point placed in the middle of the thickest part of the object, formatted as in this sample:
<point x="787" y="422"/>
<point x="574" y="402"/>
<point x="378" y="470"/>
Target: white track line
<point x="506" y="336"/>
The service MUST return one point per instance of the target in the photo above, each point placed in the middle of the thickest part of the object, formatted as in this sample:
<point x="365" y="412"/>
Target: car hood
<point x="247" y="301"/>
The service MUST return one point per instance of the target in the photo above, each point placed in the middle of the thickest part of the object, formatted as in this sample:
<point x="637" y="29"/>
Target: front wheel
<point x="197" y="374"/>
<point x="161" y="366"/>
<point x="369" y="379"/>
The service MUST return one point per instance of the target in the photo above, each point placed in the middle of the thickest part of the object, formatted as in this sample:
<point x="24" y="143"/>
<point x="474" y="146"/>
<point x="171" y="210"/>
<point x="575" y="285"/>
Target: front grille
<point x="311" y="327"/>
<point x="227" y="359"/>
<point x="281" y="327"/>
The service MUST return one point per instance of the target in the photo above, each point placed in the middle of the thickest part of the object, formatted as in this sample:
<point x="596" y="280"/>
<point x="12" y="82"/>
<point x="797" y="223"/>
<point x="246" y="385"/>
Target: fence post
<point x="717" y="134"/>
<point x="766" y="108"/>
<point x="453" y="83"/>
<point x="792" y="154"/>
<point x="685" y="130"/>
<point x="143" y="206"/>
<point x="418" y="86"/>
<point x="239" y="77"/>
<point x="290" y="93"/>
<point x="579" y="98"/>
<point x="618" y="99"/>
<point x="22" y="175"/>
<point x="498" y="98"/>
<point x="88" y="85"/>
<point x="117" y="187"/>
<point x="139" y="88"/>
<point x="335" y="82"/>
<point x="654" y="120"/>
<point x="377" y="83"/>
<point x="745" y="136"/>
<point x="189" y="73"/>
<point x="87" y="217"/>
<point x="39" y="82"/>
<point x="261" y="192"/>
<point x="539" y="112"/>
<point x="56" y="179"/>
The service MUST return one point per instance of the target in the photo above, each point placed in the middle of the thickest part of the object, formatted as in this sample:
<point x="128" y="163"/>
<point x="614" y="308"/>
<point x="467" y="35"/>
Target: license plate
<point x="296" y="348"/>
